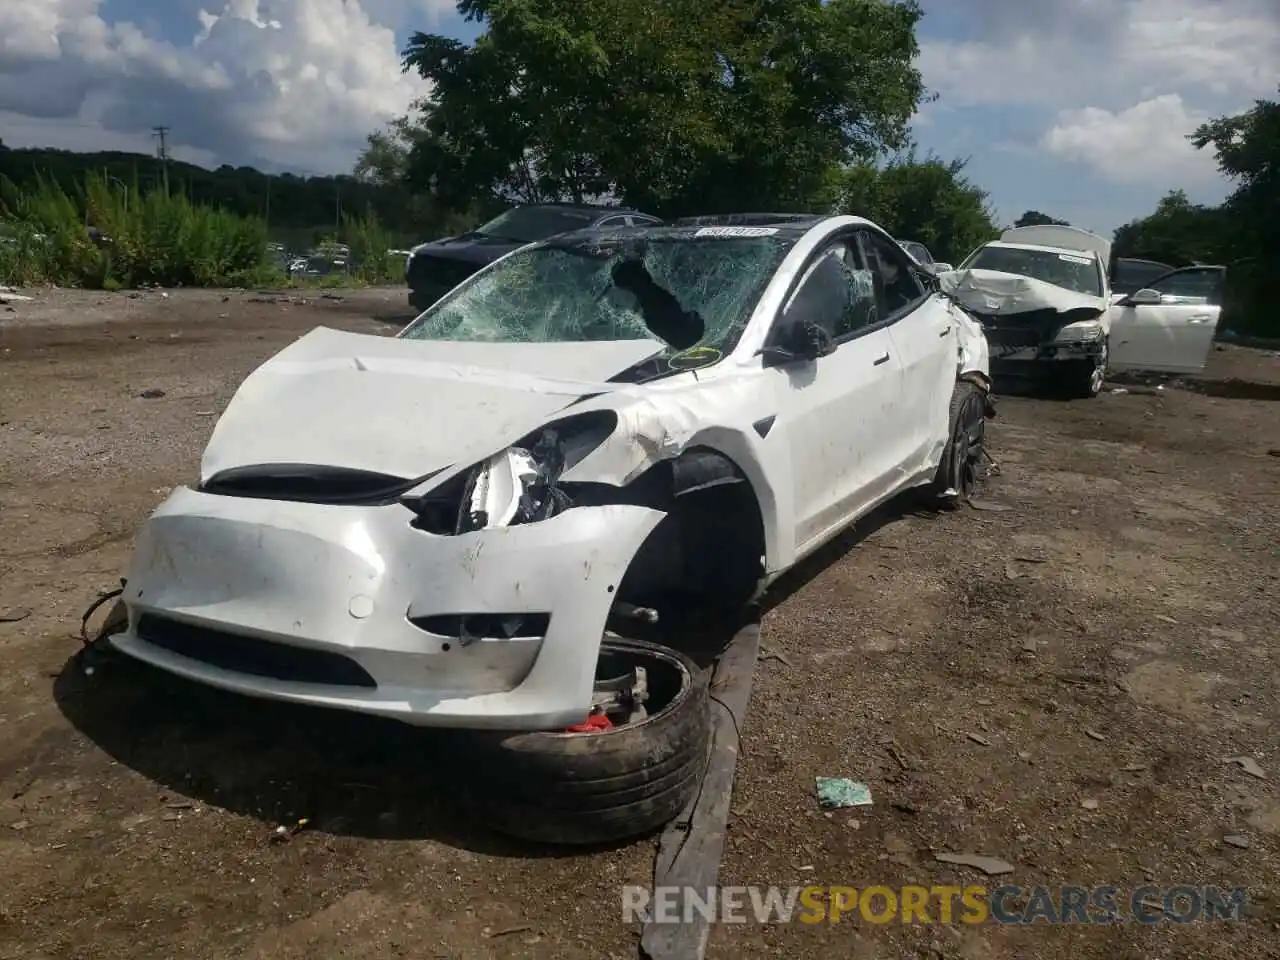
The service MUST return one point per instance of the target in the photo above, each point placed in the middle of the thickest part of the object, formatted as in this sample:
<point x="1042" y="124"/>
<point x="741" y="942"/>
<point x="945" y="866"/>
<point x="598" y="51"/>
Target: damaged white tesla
<point x="438" y="526"/>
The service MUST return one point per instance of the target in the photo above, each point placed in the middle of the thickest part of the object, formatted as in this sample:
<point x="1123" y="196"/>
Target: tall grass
<point x="369" y="242"/>
<point x="152" y="238"/>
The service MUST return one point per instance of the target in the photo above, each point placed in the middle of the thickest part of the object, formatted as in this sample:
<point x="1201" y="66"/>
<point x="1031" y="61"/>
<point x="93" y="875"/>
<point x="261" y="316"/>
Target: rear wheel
<point x="624" y="778"/>
<point x="962" y="457"/>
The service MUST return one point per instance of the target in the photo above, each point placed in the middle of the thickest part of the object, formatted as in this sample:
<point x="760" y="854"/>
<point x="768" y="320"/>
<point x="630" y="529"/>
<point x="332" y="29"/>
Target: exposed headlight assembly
<point x="517" y="485"/>
<point x="1080" y="330"/>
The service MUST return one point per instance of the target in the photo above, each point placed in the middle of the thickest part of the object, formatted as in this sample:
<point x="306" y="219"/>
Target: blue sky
<point x="1079" y="108"/>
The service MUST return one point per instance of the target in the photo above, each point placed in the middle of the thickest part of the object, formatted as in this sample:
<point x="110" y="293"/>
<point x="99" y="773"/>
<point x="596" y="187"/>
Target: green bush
<point x="154" y="237"/>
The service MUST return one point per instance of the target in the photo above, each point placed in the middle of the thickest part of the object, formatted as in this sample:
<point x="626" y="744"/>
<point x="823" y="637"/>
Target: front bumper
<point x="333" y="606"/>
<point x="1011" y="358"/>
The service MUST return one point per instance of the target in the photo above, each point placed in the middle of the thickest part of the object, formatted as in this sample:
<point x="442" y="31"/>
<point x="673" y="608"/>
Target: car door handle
<point x="943" y="332"/>
<point x="880" y="360"/>
<point x="1204" y="318"/>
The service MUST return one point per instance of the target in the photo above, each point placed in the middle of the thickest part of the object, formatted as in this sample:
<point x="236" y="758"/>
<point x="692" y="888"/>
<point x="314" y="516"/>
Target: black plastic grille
<point x="250" y="655"/>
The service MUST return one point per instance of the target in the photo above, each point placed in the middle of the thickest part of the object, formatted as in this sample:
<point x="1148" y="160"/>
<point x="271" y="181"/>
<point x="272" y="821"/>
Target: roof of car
<point x="747" y="219"/>
<point x="791" y="230"/>
<point x="596" y="210"/>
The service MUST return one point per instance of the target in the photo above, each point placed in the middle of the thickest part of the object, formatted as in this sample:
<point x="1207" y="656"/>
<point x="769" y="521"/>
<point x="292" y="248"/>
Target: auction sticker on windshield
<point x="1072" y="258"/>
<point x="736" y="232"/>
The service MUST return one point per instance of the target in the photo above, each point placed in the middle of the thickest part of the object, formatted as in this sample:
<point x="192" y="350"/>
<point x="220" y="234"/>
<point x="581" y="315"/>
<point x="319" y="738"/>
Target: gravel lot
<point x="1110" y="637"/>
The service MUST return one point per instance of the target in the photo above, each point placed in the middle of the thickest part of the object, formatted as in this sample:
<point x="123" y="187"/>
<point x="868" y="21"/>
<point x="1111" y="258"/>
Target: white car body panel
<point x="998" y="293"/>
<point x="355" y="380"/>
<point x="1168" y="337"/>
<point x="844" y="433"/>
<point x="1172" y="336"/>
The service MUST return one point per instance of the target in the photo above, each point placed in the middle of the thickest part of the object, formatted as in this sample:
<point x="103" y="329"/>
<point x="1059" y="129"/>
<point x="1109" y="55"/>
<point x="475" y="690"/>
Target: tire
<point x="1083" y="379"/>
<point x="607" y="786"/>
<point x="961" y="456"/>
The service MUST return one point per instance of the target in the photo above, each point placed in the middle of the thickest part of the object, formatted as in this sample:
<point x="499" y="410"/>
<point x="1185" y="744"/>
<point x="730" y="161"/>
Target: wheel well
<point x="711" y="541"/>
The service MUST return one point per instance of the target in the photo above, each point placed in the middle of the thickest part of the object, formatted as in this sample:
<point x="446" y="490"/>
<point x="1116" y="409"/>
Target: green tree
<point x="1247" y="147"/>
<point x="929" y="201"/>
<point x="1034" y="218"/>
<point x="674" y="106"/>
<point x="1178" y="232"/>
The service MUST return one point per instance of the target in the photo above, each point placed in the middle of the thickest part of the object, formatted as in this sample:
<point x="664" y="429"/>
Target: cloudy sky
<point x="1078" y="108"/>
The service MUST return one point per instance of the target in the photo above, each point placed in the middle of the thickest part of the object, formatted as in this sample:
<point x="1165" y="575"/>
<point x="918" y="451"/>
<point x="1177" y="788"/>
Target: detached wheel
<point x="603" y="785"/>
<point x="1083" y="379"/>
<point x="962" y="456"/>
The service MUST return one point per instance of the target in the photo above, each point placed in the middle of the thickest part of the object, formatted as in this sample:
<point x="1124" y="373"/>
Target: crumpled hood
<point x="994" y="293"/>
<point x="405" y="408"/>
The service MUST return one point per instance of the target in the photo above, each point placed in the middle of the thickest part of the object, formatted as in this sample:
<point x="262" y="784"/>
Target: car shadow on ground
<point x="347" y="774"/>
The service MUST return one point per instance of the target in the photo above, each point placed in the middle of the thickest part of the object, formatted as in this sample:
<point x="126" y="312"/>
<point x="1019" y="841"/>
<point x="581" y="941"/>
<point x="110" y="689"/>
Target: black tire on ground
<point x="601" y="787"/>
<point x="962" y="455"/>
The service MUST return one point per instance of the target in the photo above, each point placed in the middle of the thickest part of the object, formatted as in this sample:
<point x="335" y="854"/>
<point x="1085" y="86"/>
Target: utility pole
<point x="162" y="151"/>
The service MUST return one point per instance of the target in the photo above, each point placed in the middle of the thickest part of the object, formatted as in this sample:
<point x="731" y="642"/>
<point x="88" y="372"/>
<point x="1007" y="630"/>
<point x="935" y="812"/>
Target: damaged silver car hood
<point x="995" y="293"/>
<point x="402" y="407"/>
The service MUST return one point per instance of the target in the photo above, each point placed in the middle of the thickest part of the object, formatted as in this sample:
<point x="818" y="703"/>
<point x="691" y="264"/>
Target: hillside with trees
<point x="297" y="210"/>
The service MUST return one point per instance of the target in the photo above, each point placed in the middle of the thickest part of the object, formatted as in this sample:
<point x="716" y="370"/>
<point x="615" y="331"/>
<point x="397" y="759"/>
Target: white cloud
<point x="293" y="83"/>
<point x="1108" y="52"/>
<point x="1144" y="144"/>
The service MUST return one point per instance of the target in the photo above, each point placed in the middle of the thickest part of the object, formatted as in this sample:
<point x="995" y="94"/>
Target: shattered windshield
<point x="684" y="290"/>
<point x="1066" y="270"/>
<point x="527" y="224"/>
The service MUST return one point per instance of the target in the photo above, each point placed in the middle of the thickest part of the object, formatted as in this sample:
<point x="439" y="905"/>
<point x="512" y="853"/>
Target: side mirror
<point x="942" y="268"/>
<point x="1146" y="297"/>
<point x="800" y="343"/>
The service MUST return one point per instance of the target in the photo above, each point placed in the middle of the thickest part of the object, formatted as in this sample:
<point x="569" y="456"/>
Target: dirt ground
<point x="1055" y="683"/>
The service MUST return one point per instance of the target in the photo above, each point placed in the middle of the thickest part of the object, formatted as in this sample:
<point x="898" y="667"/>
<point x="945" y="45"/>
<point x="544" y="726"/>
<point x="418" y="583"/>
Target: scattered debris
<point x="1248" y="765"/>
<point x="976" y="738"/>
<point x="1161" y="616"/>
<point x="505" y="931"/>
<point x="989" y="506"/>
<point x="991" y="866"/>
<point x="1094" y="735"/>
<point x="1238" y="841"/>
<point x="1089" y="803"/>
<point x="897" y="755"/>
<point x="767" y="654"/>
<point x="284" y="834"/>
<point x="1119" y="390"/>
<point x="837" y="792"/>
<point x="151" y="393"/>
<point x="20" y="825"/>
<point x="13" y="616"/>
<point x="1274" y="452"/>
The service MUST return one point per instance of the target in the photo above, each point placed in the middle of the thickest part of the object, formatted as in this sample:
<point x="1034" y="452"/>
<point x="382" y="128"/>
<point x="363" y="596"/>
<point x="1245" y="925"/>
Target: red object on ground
<point x="595" y="723"/>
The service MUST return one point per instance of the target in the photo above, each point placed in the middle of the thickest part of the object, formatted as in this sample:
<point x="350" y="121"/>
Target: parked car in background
<point x="438" y="527"/>
<point x="433" y="269"/>
<point x="1044" y="297"/>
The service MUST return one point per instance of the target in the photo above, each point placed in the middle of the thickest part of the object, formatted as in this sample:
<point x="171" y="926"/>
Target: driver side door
<point x="1174" y="335"/>
<point x="836" y="412"/>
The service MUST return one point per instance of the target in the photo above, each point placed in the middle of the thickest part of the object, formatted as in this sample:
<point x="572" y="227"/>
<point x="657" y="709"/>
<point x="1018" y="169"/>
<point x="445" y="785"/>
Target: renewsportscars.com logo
<point x="1007" y="904"/>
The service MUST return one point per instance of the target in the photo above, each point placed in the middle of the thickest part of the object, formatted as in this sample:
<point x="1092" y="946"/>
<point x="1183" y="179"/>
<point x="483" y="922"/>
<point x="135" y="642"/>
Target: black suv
<point x="435" y="268"/>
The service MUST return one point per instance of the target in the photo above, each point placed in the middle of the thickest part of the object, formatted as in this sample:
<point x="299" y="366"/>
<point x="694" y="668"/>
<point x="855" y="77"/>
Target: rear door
<point x="1176" y="334"/>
